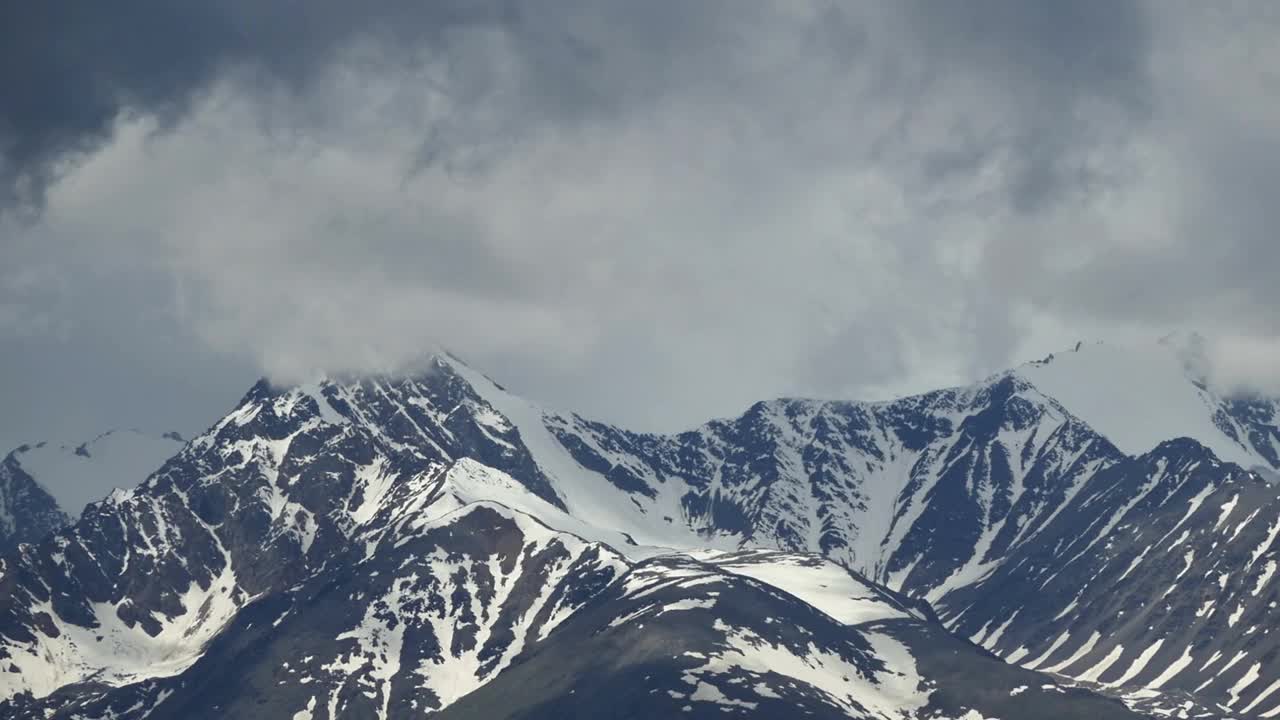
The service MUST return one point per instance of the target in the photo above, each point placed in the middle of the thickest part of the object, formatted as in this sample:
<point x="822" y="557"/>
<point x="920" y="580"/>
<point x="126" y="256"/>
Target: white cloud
<point x="668" y="222"/>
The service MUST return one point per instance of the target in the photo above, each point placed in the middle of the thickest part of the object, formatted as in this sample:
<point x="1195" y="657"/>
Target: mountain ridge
<point x="68" y="476"/>
<point x="27" y="511"/>
<point x="296" y="483"/>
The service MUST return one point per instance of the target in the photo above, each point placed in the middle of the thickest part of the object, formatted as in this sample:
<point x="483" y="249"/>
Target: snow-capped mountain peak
<point x="1141" y="395"/>
<point x="77" y="474"/>
<point x="433" y="543"/>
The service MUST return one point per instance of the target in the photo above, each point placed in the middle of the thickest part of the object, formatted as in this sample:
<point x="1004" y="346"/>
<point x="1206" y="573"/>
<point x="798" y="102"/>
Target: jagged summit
<point x="704" y="485"/>
<point x="853" y="480"/>
<point x="1136" y="395"/>
<point x="455" y="538"/>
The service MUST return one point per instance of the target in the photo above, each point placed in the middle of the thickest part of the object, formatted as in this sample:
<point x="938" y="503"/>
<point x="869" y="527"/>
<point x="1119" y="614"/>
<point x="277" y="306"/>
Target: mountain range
<point x="1093" y="534"/>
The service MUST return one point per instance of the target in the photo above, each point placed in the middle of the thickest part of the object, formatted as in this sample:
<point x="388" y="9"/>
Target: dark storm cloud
<point x="1199" y="247"/>
<point x="69" y="69"/>
<point x="1077" y="71"/>
<point x="1049" y="49"/>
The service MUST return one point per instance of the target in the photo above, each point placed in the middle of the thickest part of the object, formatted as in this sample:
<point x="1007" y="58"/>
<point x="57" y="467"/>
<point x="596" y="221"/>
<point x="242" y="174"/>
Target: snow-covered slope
<point x="1158" y="575"/>
<point x="485" y="612"/>
<point x="1139" y="396"/>
<point x="339" y="509"/>
<point x="922" y="494"/>
<point x="311" y="548"/>
<point x="76" y="474"/>
<point x="681" y="638"/>
<point x="847" y="597"/>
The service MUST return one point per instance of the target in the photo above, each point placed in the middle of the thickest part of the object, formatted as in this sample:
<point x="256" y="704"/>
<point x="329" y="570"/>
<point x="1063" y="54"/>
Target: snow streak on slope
<point x="893" y="693"/>
<point x="745" y="663"/>
<point x="468" y="481"/>
<point x="447" y="607"/>
<point x="680" y="637"/>
<point x="846" y="597"/>
<point x="116" y="652"/>
<point x="866" y="484"/>
<point x="149" y="576"/>
<point x="1156" y="575"/>
<point x="652" y="520"/>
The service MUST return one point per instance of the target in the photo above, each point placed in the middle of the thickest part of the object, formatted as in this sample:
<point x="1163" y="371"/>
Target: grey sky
<point x="651" y="212"/>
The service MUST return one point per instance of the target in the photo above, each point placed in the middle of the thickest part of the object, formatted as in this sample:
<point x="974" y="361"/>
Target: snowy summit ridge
<point x="1140" y="396"/>
<point x="434" y="545"/>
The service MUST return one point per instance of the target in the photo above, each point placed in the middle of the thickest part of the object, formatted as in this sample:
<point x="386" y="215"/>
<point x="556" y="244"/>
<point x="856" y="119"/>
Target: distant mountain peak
<point x="1142" y="394"/>
<point x="27" y="511"/>
<point x="78" y="473"/>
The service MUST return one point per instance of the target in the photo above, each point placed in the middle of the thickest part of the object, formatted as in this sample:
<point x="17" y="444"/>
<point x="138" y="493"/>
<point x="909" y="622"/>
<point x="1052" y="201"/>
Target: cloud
<point x="1246" y="364"/>
<point x="1075" y="76"/>
<point x="652" y="212"/>
<point x="74" y="71"/>
<point x="71" y="70"/>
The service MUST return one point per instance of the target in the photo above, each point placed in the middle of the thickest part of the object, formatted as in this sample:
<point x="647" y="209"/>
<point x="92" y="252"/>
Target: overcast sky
<point x="652" y="212"/>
